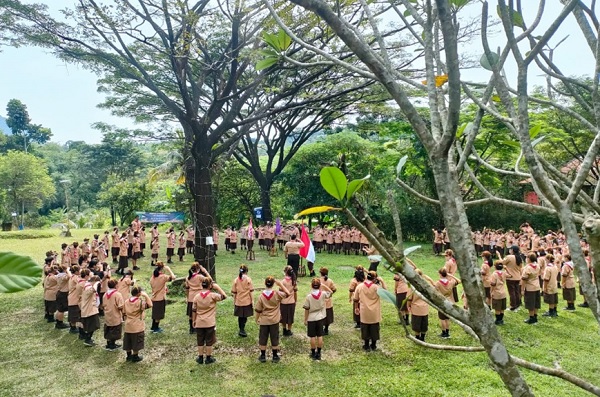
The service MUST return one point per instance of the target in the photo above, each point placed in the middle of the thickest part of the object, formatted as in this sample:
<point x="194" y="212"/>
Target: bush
<point x="28" y="234"/>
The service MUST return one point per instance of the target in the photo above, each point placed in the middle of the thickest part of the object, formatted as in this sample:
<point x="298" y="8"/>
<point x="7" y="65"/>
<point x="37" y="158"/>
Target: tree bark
<point x="481" y="320"/>
<point x="265" y="201"/>
<point x="396" y="217"/>
<point x="198" y="178"/>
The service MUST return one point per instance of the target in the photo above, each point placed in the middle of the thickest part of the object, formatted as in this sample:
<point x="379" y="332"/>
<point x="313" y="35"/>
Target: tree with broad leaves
<point x="22" y="128"/>
<point x="436" y="35"/>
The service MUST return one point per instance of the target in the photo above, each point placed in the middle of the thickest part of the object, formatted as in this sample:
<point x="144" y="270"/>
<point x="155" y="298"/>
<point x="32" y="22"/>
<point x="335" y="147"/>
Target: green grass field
<point x="37" y="360"/>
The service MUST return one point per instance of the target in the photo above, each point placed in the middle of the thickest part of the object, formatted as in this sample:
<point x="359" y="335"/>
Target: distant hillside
<point x="3" y="127"/>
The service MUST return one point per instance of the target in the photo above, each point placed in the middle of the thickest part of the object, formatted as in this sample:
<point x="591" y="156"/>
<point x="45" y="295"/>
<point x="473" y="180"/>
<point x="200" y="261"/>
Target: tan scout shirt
<point x="134" y="314"/>
<point x="497" y="284"/>
<point x="113" y="307"/>
<point x="242" y="291"/>
<point x="205" y="307"/>
<point x="89" y="300"/>
<point x="293" y="247"/>
<point x="530" y="277"/>
<point x="159" y="286"/>
<point x="316" y="304"/>
<point x="267" y="306"/>
<point x="370" y="304"/>
<point x="550" y="279"/>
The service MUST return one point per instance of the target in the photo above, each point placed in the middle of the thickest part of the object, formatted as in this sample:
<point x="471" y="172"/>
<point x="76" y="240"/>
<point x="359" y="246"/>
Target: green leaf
<point x="465" y="128"/>
<point x="18" y="273"/>
<point x="334" y="182"/>
<point x="535" y="130"/>
<point x="459" y="3"/>
<point x="410" y="250"/>
<point x="406" y="13"/>
<point x="284" y="40"/>
<point x="356" y="184"/>
<point x="517" y="18"/>
<point x="512" y="144"/>
<point x="266" y="63"/>
<point x="488" y="62"/>
<point x="538" y="140"/>
<point x="272" y="40"/>
<point x="386" y="296"/>
<point x="269" y="53"/>
<point x="401" y="165"/>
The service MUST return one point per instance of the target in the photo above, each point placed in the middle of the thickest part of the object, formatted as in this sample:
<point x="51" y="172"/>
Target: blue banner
<point x="258" y="212"/>
<point x="161" y="217"/>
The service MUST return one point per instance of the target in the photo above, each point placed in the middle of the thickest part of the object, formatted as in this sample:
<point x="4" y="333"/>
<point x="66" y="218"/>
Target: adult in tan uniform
<point x="158" y="283"/>
<point x="268" y="316"/>
<point x="369" y="310"/>
<point x="512" y="267"/>
<point x="134" y="338"/>
<point x="113" y="316"/>
<point x="292" y="253"/>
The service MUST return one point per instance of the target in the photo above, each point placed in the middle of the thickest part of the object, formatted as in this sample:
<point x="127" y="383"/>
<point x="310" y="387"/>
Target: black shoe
<point x="499" y="322"/>
<point x="200" y="359"/>
<point x="313" y="355"/>
<point x="50" y="319"/>
<point x="192" y="331"/>
<point x="262" y="359"/>
<point x="210" y="360"/>
<point x="61" y="325"/>
<point x="357" y="325"/>
<point x="276" y="359"/>
<point x="530" y="320"/>
<point x="373" y="347"/>
<point x="317" y="355"/>
<point x="136" y="358"/>
<point x="584" y="304"/>
<point x="129" y="356"/>
<point x="366" y="348"/>
<point x="325" y="332"/>
<point x="136" y="268"/>
<point x="547" y="314"/>
<point x="570" y="308"/>
<point x="89" y="343"/>
<point x="242" y="333"/>
<point x="73" y="330"/>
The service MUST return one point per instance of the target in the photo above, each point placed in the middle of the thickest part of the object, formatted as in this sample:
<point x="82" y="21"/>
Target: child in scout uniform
<point x="125" y="283"/>
<point x="193" y="285"/>
<point x="158" y="283"/>
<point x="315" y="315"/>
<point x="445" y="285"/>
<point x="531" y="287"/>
<point x="204" y="309"/>
<point x="359" y="277"/>
<point x="401" y="289"/>
<point x="89" y="302"/>
<point x="62" y="297"/>
<point x="419" y="310"/>
<point x="550" y="289"/>
<point x="288" y="304"/>
<point x="241" y="289"/>
<point x="325" y="280"/>
<point x="73" y="300"/>
<point x="268" y="316"/>
<point x="134" y="308"/>
<point x="113" y="304"/>
<point x="498" y="292"/>
<point x="568" y="282"/>
<point x="369" y="310"/>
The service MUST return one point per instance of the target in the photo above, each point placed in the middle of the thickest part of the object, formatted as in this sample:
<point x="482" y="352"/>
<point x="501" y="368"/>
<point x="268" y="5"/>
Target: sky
<point x="63" y="96"/>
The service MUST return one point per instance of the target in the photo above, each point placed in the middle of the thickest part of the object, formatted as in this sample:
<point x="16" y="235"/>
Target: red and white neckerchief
<point x="570" y="264"/>
<point x="533" y="265"/>
<point x="110" y="293"/>
<point x="368" y="283"/>
<point x="500" y="274"/>
<point x="288" y="278"/>
<point x="444" y="281"/>
<point x="316" y="293"/>
<point x="268" y="293"/>
<point x="133" y="299"/>
<point x="204" y="294"/>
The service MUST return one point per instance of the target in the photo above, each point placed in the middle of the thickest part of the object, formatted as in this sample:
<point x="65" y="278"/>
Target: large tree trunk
<point x="265" y="201"/>
<point x="456" y="222"/>
<point x="198" y="178"/>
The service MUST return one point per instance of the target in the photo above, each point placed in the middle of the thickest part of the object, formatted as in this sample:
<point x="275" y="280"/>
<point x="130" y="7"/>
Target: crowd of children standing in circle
<point x="79" y="282"/>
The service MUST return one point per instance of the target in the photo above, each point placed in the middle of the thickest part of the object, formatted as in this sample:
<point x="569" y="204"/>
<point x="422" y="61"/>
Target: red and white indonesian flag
<point x="308" y="251"/>
<point x="250" y="230"/>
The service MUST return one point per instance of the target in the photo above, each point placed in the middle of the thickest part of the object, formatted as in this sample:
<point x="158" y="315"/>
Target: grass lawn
<point x="37" y="360"/>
